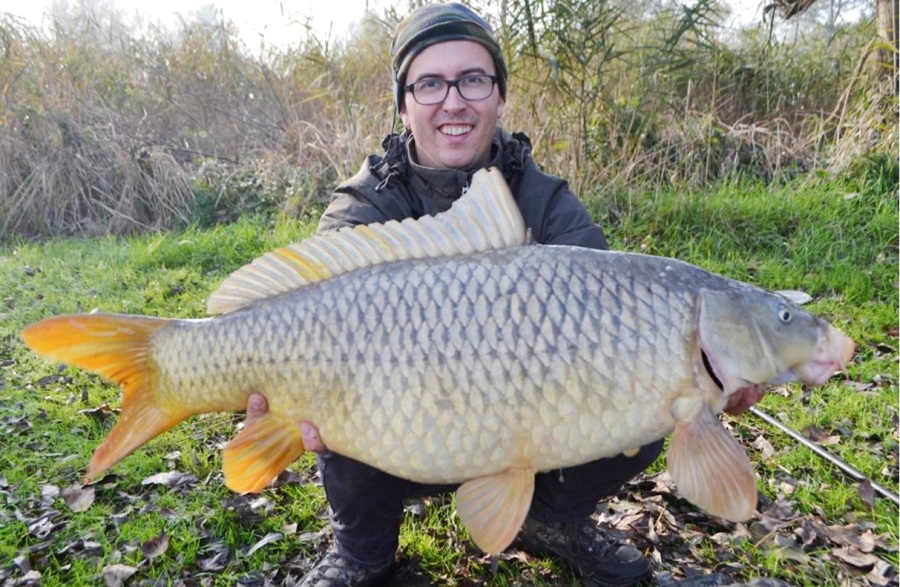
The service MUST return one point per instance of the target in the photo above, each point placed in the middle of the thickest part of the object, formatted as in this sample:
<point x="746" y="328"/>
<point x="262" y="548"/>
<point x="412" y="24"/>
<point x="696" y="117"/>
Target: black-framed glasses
<point x="433" y="90"/>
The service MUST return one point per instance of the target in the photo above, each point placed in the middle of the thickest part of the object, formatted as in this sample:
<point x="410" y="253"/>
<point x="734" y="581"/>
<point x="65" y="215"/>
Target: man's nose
<point x="454" y="100"/>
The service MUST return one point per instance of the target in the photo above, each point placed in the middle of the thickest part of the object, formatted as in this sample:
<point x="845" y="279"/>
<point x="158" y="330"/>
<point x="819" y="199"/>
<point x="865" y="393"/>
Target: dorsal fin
<point x="485" y="217"/>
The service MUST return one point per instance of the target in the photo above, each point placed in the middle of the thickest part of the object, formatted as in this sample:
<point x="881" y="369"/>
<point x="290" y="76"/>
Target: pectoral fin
<point x="493" y="508"/>
<point x="259" y="452"/>
<point x="711" y="469"/>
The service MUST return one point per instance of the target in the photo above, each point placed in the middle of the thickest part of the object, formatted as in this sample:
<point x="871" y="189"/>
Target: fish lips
<point x="832" y="354"/>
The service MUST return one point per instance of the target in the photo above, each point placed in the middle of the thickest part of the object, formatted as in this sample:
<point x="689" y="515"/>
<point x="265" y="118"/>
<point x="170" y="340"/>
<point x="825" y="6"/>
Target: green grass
<point x="832" y="239"/>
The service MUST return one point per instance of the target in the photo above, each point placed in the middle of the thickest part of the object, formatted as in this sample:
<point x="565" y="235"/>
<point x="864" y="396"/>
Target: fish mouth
<point x="834" y="351"/>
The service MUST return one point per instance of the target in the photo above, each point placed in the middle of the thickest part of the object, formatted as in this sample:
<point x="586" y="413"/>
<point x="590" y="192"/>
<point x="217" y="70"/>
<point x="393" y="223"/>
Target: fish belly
<point x="442" y="370"/>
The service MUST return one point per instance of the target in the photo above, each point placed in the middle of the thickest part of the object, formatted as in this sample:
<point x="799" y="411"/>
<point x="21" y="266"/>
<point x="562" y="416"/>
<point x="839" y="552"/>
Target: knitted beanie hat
<point x="438" y="23"/>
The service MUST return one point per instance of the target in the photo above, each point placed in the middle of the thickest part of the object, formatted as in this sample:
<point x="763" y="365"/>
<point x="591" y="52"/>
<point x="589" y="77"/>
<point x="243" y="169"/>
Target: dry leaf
<point x="78" y="498"/>
<point x="866" y="493"/>
<point x="786" y="486"/>
<point x="48" y="494"/>
<point x="267" y="539"/>
<point x="818" y="435"/>
<point x="100" y="413"/>
<point x="170" y="479"/>
<point x="116" y="575"/>
<point x="882" y="574"/>
<point x="763" y="446"/>
<point x="860" y="560"/>
<point x="851" y="535"/>
<point x="156" y="546"/>
<point x="807" y="533"/>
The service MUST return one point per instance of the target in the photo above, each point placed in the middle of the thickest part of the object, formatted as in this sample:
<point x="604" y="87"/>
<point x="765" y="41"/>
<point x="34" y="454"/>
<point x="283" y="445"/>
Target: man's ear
<point x="404" y="116"/>
<point x="501" y="105"/>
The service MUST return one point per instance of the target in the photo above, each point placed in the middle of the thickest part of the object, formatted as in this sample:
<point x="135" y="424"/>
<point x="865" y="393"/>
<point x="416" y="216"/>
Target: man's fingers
<point x="257" y="406"/>
<point x="311" y="439"/>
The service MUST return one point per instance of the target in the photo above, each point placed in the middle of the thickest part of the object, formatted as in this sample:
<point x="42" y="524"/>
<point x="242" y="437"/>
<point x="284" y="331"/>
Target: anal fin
<point x="262" y="450"/>
<point x="711" y="469"/>
<point x="494" y="507"/>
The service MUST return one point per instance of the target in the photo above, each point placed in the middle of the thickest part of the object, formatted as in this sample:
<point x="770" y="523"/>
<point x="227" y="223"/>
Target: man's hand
<point x="741" y="400"/>
<point x="257" y="406"/>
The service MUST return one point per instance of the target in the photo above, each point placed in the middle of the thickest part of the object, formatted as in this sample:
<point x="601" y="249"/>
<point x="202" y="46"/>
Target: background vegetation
<point x="139" y="166"/>
<point x="108" y="128"/>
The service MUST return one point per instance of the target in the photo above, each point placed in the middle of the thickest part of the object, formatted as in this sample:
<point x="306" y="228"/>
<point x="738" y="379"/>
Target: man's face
<point x="456" y="133"/>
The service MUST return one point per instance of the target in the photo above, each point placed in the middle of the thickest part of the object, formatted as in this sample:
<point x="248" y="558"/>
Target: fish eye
<point x="784" y="314"/>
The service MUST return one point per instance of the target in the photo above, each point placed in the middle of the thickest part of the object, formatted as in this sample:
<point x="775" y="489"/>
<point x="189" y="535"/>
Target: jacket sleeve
<point x="568" y="222"/>
<point x="351" y="203"/>
<point x="553" y="213"/>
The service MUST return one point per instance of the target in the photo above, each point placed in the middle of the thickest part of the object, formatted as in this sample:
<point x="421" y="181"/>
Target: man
<point x="450" y="82"/>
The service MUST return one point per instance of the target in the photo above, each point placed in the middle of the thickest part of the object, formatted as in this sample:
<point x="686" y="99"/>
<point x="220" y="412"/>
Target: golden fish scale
<point x="447" y="369"/>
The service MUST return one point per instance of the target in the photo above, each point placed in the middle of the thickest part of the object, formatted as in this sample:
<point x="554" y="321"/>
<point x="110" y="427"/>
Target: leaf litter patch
<point x="680" y="541"/>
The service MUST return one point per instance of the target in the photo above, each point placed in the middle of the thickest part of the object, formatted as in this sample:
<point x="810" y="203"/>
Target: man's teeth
<point x="456" y="130"/>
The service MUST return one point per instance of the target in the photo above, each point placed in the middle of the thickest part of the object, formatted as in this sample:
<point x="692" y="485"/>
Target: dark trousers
<point x="367" y="504"/>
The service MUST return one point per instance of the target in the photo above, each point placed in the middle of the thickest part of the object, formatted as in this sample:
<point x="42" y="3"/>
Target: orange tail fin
<point x="116" y="347"/>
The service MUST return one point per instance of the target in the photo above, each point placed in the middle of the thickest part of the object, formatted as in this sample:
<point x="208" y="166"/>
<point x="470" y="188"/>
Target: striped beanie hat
<point x="438" y="23"/>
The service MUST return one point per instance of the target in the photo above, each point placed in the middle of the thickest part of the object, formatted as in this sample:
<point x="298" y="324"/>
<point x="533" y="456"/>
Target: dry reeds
<point x="106" y="131"/>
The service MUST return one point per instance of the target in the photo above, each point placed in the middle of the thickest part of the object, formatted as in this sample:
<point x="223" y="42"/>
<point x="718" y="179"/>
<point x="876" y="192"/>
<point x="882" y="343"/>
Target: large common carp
<point x="446" y="350"/>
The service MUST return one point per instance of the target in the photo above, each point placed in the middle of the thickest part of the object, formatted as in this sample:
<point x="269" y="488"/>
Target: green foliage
<point x="797" y="228"/>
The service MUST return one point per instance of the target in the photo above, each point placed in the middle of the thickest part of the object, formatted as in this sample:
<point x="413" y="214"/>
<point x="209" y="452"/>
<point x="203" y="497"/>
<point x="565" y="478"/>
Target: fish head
<point x="752" y="337"/>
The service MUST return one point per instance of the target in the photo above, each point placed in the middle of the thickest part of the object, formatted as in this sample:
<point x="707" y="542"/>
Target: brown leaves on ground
<point x="680" y="541"/>
<point x="684" y="542"/>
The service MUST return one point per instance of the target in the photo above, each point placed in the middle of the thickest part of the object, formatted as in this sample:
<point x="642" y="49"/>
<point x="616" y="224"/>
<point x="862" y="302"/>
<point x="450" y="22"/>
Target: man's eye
<point x="429" y="85"/>
<point x="474" y="80"/>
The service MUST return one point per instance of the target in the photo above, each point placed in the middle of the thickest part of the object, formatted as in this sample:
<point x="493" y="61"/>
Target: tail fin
<point x="116" y="347"/>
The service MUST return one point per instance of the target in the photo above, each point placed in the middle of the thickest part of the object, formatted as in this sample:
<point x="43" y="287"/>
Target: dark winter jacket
<point x="392" y="187"/>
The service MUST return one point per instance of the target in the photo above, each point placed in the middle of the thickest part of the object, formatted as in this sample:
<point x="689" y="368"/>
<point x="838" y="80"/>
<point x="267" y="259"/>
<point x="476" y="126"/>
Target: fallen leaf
<point x="23" y="563"/>
<point x="807" y="533"/>
<point x="100" y="413"/>
<point x="267" y="539"/>
<point x="763" y="446"/>
<point x="779" y="509"/>
<point x="156" y="546"/>
<point x="78" y="498"/>
<point x="43" y="526"/>
<point x="170" y="479"/>
<point x="786" y="486"/>
<point x="311" y="537"/>
<point x="218" y="560"/>
<point x="261" y="503"/>
<point x="882" y="574"/>
<point x="30" y="579"/>
<point x="49" y="493"/>
<point x="852" y="536"/>
<point x="866" y="493"/>
<point x="818" y="435"/>
<point x="116" y="575"/>
<point x="860" y="560"/>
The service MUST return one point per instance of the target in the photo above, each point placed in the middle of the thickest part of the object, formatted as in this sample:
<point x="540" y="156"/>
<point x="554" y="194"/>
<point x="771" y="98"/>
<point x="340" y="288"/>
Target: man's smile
<point x="456" y="129"/>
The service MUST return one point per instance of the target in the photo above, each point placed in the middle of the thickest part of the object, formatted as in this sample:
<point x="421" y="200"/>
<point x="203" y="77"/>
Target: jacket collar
<point x="508" y="154"/>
